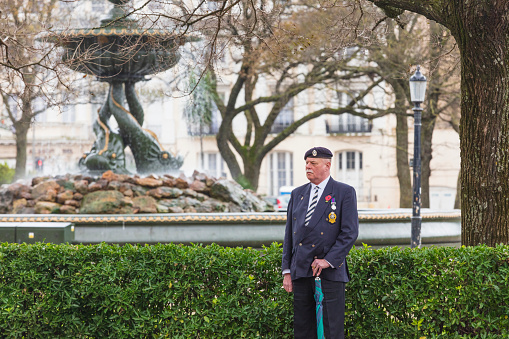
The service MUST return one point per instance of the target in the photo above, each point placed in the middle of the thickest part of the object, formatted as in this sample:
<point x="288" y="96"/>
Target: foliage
<point x="215" y="292"/>
<point x="6" y="174"/>
<point x="438" y="292"/>
<point x="198" y="110"/>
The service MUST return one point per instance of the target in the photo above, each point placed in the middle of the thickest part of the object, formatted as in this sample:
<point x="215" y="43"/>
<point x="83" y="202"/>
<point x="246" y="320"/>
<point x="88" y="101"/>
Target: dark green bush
<point x="101" y="291"/>
<point x="438" y="292"/>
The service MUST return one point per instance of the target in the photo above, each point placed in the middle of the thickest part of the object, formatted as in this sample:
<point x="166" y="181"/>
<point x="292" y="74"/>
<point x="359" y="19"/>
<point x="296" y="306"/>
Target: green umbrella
<point x="319" y="308"/>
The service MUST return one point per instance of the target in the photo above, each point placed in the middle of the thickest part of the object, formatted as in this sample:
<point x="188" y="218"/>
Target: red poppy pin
<point x="327" y="198"/>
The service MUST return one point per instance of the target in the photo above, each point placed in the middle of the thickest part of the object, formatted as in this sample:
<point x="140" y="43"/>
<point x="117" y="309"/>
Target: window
<point x="349" y="170"/>
<point x="69" y="114"/>
<point x="280" y="171"/>
<point x="213" y="164"/>
<point x="284" y="118"/>
<point x="210" y="128"/>
<point x="346" y="122"/>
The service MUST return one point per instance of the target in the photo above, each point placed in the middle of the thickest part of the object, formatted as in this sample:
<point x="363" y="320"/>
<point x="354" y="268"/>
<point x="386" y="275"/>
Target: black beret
<point x="318" y="152"/>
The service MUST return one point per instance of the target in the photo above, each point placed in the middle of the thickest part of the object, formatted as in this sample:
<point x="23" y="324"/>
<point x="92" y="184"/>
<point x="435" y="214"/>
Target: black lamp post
<point x="417" y="92"/>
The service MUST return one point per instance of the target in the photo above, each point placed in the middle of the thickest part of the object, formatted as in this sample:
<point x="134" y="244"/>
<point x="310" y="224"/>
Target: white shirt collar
<point x="322" y="185"/>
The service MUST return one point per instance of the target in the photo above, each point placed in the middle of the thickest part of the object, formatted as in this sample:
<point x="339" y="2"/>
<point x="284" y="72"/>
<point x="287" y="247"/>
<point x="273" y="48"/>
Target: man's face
<point x="317" y="169"/>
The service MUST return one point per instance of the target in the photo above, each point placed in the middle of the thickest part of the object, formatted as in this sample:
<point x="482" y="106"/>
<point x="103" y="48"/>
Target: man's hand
<point x="318" y="265"/>
<point x="287" y="283"/>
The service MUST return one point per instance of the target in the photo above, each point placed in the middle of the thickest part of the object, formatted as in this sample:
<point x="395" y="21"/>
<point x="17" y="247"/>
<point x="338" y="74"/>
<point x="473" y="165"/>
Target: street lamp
<point x="417" y="92"/>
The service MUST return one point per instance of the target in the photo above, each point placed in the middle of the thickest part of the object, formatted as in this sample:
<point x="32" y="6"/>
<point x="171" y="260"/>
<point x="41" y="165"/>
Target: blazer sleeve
<point x="348" y="232"/>
<point x="288" y="240"/>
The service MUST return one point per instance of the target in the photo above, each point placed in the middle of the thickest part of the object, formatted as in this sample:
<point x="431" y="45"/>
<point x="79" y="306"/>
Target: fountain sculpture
<point x="121" y="53"/>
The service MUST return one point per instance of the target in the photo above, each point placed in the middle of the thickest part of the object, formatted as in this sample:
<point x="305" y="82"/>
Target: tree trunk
<point x="484" y="127"/>
<point x="457" y="201"/>
<point x="21" y="131"/>
<point x="403" y="167"/>
<point x="428" y="125"/>
<point x="252" y="172"/>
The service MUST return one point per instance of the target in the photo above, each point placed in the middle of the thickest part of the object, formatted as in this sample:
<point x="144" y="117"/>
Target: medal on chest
<point x="333" y="204"/>
<point x="332" y="217"/>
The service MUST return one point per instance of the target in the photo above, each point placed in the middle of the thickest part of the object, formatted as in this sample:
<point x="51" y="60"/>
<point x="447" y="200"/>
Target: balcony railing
<point x="278" y="127"/>
<point x="205" y="129"/>
<point x="364" y="127"/>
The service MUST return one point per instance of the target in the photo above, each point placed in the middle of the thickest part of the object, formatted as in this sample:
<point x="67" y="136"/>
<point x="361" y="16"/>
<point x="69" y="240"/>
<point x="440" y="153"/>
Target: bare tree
<point x="32" y="76"/>
<point x="481" y="30"/>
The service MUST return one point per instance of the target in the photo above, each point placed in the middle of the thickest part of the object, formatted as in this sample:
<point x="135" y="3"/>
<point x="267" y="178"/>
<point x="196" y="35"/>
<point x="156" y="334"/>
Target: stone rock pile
<point x="124" y="194"/>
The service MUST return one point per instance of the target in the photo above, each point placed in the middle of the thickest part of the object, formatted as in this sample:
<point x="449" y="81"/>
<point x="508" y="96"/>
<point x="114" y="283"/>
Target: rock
<point x="18" y="205"/>
<point x="50" y="195"/>
<point x="210" y="181"/>
<point x="46" y="207"/>
<point x="94" y="186"/>
<point x="139" y="191"/>
<point x="199" y="176"/>
<point x="72" y="202"/>
<point x="164" y="192"/>
<point x="115" y="185"/>
<point x="155" y="193"/>
<point x="175" y="209"/>
<point x="6" y="198"/>
<point x="145" y="204"/>
<point x="149" y="182"/>
<point x="68" y="185"/>
<point x="81" y="186"/>
<point x="129" y="193"/>
<point x="169" y="181"/>
<point x="77" y="196"/>
<point x="227" y="190"/>
<point x="234" y="208"/>
<point x="199" y="186"/>
<point x="25" y="195"/>
<point x="66" y="195"/>
<point x="37" y="180"/>
<point x="171" y="192"/>
<point x="43" y="188"/>
<point x="27" y="210"/>
<point x="122" y="177"/>
<point x="162" y="208"/>
<point x="210" y="206"/>
<point x="231" y="191"/>
<point x="68" y="209"/>
<point x="18" y="189"/>
<point x="102" y="202"/>
<point x="110" y="176"/>
<point x="181" y="183"/>
<point x="170" y="203"/>
<point x="190" y="193"/>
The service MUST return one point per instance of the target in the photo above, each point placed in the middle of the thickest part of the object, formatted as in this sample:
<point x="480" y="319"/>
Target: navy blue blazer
<point x="326" y="237"/>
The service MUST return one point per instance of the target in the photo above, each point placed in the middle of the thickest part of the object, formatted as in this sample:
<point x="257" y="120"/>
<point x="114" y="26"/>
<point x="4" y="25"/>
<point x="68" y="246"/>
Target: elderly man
<point x="321" y="228"/>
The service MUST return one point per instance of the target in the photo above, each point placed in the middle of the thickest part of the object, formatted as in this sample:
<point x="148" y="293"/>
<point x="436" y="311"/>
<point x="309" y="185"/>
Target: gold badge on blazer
<point x="332" y="217"/>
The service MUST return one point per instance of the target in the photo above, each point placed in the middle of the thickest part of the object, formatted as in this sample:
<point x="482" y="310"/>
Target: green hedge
<point x="174" y="291"/>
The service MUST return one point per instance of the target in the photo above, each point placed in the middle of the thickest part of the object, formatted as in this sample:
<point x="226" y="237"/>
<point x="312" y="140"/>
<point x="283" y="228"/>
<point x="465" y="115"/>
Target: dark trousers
<point x="304" y="309"/>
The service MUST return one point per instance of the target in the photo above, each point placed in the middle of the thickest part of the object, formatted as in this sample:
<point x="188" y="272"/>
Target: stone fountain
<point x="121" y="53"/>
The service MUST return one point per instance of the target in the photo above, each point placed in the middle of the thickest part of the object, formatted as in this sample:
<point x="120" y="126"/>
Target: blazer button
<point x="316" y="257"/>
<point x="300" y="244"/>
<point x="313" y="245"/>
<point x="294" y="232"/>
<point x="321" y="233"/>
<point x="294" y="218"/>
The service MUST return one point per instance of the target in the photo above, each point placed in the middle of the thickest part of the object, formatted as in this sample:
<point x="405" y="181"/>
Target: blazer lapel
<point x="321" y="206"/>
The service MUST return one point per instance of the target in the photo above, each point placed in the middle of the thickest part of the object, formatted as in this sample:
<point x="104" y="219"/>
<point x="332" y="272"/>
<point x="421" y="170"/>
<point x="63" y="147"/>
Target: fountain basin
<point x="377" y="227"/>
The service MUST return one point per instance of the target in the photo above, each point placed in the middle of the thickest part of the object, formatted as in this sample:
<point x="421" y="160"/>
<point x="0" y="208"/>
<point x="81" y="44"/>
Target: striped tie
<point x="311" y="208"/>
